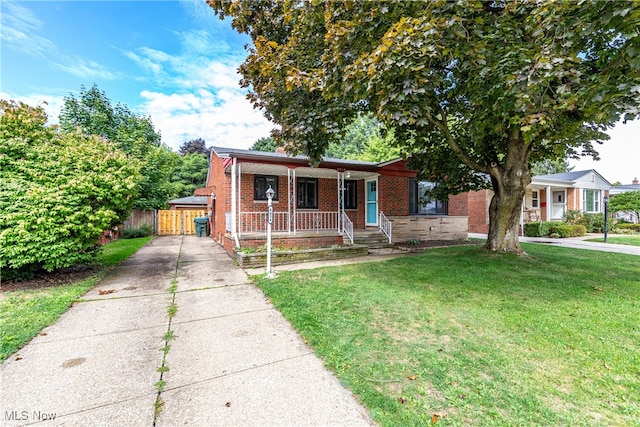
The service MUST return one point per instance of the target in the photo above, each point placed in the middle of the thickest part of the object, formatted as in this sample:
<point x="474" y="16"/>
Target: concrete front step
<point x="371" y="239"/>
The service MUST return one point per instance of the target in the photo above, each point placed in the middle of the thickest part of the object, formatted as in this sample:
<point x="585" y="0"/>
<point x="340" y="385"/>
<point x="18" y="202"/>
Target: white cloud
<point x="85" y="69"/>
<point x="224" y="118"/>
<point x="19" y="31"/>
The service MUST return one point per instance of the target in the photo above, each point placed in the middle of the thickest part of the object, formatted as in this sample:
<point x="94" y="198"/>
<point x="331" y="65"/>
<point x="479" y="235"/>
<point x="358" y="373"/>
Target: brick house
<point x="320" y="206"/>
<point x="547" y="198"/>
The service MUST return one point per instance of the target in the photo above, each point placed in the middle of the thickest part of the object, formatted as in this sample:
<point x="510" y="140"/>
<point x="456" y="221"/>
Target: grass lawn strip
<point x="470" y="337"/>
<point x="630" y="239"/>
<point x="24" y="313"/>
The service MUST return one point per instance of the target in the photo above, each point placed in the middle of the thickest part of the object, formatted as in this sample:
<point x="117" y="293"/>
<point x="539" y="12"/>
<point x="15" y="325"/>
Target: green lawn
<point x="464" y="337"/>
<point x="23" y="314"/>
<point x="621" y="239"/>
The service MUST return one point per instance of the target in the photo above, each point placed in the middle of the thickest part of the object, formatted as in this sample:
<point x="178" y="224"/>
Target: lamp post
<point x="605" y="200"/>
<point x="270" y="194"/>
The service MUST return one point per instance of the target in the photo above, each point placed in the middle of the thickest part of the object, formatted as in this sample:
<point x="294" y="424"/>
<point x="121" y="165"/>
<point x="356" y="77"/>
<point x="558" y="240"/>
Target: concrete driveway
<point x="232" y="359"/>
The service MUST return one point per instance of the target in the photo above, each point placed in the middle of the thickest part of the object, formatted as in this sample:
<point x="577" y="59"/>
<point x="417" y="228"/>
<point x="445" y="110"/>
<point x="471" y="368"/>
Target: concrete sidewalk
<point x="234" y="359"/>
<point x="576" y="243"/>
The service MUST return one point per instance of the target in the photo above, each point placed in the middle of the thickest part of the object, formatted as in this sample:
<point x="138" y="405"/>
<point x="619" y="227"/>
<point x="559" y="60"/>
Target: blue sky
<point x="174" y="61"/>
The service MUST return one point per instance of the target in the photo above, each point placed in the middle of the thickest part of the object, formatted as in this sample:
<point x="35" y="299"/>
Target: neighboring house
<point x="188" y="203"/>
<point x="547" y="198"/>
<point x="320" y="206"/>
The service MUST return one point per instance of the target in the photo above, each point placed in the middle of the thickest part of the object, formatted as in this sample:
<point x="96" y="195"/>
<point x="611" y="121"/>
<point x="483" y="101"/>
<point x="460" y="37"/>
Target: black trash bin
<point x="202" y="225"/>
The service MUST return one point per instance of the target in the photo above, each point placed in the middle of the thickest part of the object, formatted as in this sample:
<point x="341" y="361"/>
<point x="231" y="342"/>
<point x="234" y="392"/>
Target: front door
<point x="558" y="205"/>
<point x="372" y="202"/>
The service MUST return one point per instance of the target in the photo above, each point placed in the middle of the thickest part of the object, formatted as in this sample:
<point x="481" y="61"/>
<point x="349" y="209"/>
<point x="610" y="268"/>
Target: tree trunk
<point x="504" y="212"/>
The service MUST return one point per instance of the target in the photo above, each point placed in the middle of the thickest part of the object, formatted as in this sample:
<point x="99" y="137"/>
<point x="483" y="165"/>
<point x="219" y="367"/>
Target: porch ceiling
<point x="271" y="169"/>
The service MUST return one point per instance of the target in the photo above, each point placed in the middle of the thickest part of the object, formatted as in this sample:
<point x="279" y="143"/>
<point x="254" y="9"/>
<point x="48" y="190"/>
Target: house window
<point x="421" y="203"/>
<point x="350" y="194"/>
<point x="307" y="193"/>
<point x="591" y="200"/>
<point x="534" y="199"/>
<point x="260" y="185"/>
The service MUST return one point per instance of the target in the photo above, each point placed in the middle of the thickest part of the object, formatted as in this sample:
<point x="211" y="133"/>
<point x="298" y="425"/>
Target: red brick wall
<point x="393" y="195"/>
<point x="477" y="210"/>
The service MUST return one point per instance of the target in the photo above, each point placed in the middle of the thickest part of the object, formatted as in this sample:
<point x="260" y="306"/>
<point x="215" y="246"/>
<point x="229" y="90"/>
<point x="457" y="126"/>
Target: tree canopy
<point x="92" y="114"/>
<point x="59" y="191"/>
<point x="626" y="202"/>
<point x="189" y="173"/>
<point x="469" y="87"/>
<point x="267" y="144"/>
<point x="194" y="146"/>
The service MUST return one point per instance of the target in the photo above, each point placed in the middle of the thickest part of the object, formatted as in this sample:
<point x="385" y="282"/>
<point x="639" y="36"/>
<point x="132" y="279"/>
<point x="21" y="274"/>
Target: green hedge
<point x="627" y="226"/>
<point x="568" y="230"/>
<point x="133" y="233"/>
<point x="537" y="229"/>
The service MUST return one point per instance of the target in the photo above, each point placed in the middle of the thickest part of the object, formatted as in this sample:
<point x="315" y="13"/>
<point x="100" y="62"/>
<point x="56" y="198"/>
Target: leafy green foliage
<point x="268" y="145"/>
<point x="190" y="172"/>
<point x="468" y="87"/>
<point x="134" y="233"/>
<point x="549" y="166"/>
<point x="92" y="114"/>
<point x="58" y="192"/>
<point x="568" y="230"/>
<point x="537" y="229"/>
<point x="625" y="202"/>
<point x="592" y="222"/>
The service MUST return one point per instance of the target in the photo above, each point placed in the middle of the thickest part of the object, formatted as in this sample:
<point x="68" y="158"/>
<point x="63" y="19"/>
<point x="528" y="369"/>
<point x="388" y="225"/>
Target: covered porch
<point x="312" y="206"/>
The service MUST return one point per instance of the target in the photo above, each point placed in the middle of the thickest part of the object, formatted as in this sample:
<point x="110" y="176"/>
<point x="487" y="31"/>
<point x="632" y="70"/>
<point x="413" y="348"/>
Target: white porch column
<point x="294" y="204"/>
<point x="234" y="210"/>
<point x="549" y="200"/>
<point x="289" y="198"/>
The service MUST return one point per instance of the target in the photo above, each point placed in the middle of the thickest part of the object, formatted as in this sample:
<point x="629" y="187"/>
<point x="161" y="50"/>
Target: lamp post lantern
<point x="270" y="194"/>
<point x="605" y="200"/>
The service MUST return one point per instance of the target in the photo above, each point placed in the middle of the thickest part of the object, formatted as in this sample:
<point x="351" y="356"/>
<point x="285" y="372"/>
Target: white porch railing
<point x="255" y="222"/>
<point x="316" y="220"/>
<point x="385" y="225"/>
<point x="347" y="227"/>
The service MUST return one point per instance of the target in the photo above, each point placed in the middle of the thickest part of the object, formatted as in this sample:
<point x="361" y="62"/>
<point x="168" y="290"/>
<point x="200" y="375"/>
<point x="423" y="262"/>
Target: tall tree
<point x="469" y="87"/>
<point x="92" y="113"/>
<point x="190" y="172"/>
<point x="194" y="146"/>
<point x="549" y="166"/>
<point x="267" y="145"/>
<point x="626" y="202"/>
<point x="58" y="192"/>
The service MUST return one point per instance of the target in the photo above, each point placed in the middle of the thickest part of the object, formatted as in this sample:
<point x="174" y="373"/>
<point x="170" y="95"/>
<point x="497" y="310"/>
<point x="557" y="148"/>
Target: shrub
<point x="568" y="230"/>
<point x="59" y="192"/>
<point x="133" y="233"/>
<point x="628" y="226"/>
<point x="537" y="229"/>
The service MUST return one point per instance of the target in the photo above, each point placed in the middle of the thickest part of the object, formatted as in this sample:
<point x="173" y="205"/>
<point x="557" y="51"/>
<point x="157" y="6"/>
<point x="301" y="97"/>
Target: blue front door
<point x="372" y="202"/>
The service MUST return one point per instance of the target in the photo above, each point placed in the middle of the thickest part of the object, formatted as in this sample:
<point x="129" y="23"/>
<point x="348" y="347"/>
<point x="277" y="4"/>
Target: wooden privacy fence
<point x="178" y="222"/>
<point x="139" y="218"/>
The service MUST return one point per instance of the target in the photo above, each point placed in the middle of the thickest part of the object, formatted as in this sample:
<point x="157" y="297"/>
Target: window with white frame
<point x="591" y="200"/>
<point x="535" y="201"/>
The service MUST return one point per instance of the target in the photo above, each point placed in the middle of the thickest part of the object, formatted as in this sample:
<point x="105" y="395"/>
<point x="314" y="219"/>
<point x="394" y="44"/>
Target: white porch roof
<point x="309" y="172"/>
